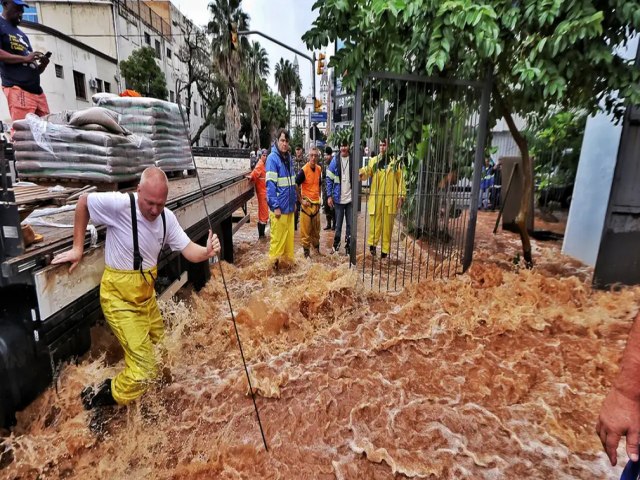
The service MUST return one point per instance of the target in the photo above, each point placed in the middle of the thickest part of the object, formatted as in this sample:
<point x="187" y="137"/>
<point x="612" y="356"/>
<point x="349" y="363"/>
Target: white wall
<point x="594" y="178"/>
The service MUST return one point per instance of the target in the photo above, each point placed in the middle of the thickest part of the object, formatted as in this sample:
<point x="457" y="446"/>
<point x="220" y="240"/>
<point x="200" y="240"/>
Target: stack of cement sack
<point x="85" y="145"/>
<point x="158" y="120"/>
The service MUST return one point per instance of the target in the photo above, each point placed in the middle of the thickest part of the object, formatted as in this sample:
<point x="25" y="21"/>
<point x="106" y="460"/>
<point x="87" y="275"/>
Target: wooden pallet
<point x="72" y="183"/>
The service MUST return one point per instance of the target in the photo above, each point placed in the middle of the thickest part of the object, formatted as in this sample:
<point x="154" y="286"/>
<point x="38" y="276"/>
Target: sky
<point x="285" y="20"/>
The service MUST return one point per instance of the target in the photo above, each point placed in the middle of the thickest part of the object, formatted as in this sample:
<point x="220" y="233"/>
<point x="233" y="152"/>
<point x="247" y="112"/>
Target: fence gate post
<point x="477" y="170"/>
<point x="355" y="168"/>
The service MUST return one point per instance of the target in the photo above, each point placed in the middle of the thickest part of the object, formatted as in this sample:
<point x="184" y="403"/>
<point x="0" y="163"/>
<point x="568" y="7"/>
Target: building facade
<point x="89" y="38"/>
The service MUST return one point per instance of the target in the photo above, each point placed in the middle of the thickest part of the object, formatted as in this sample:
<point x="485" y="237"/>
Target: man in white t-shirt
<point x="127" y="294"/>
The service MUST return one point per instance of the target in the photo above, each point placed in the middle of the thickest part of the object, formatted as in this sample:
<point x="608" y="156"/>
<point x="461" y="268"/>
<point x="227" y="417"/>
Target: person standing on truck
<point x="258" y="177"/>
<point x="20" y="66"/>
<point x="281" y="197"/>
<point x="138" y="227"/>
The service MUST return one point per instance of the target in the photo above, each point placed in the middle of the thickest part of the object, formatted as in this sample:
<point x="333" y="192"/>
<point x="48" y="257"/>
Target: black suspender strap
<point x="164" y="232"/>
<point x="137" y="258"/>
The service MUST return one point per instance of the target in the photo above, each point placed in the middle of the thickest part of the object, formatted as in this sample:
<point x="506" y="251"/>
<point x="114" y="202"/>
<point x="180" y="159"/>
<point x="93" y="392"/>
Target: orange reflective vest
<point x="310" y="184"/>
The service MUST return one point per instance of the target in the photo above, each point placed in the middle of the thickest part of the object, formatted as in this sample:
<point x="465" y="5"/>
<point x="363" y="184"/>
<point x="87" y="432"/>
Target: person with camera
<point x="20" y="66"/>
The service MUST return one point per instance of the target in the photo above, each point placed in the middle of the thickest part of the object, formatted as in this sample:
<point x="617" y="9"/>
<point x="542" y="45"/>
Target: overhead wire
<point x="224" y="283"/>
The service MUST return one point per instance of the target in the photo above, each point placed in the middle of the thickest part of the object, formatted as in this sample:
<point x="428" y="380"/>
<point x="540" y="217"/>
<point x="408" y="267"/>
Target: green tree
<point x="227" y="16"/>
<point x="288" y="82"/>
<point x="257" y="69"/>
<point x="543" y="54"/>
<point x="297" y="136"/>
<point x="273" y="115"/>
<point x="143" y="75"/>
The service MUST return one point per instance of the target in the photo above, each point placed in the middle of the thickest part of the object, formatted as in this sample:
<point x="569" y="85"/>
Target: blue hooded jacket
<point x="281" y="182"/>
<point x="334" y="177"/>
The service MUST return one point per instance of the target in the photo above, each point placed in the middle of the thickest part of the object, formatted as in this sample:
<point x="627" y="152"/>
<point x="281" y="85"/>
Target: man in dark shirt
<point x="20" y="66"/>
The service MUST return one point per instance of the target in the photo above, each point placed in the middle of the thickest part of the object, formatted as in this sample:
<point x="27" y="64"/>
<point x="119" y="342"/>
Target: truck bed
<point x="181" y="191"/>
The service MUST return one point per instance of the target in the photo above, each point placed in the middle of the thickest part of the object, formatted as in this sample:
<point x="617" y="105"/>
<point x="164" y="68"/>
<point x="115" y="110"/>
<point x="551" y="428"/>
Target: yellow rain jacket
<point x="387" y="185"/>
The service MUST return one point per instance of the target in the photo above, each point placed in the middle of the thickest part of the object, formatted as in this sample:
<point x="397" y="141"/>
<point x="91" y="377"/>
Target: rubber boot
<point x="261" y="228"/>
<point x="328" y="227"/>
<point x="372" y="249"/>
<point x="98" y="398"/>
<point x="306" y="253"/>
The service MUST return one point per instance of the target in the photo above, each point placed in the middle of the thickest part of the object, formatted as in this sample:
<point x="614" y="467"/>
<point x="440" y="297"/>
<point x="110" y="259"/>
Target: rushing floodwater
<point x="498" y="373"/>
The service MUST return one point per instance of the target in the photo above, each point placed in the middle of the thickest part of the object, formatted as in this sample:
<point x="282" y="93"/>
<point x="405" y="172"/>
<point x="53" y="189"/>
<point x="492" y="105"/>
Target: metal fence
<point x="415" y="213"/>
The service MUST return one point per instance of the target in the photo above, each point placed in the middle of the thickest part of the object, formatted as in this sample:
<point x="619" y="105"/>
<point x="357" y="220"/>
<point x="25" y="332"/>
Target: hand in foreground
<point x="330" y="202"/>
<point x="213" y="245"/>
<point x="399" y="203"/>
<point x="33" y="56"/>
<point x="619" y="416"/>
<point x="277" y="212"/>
<point x="72" y="256"/>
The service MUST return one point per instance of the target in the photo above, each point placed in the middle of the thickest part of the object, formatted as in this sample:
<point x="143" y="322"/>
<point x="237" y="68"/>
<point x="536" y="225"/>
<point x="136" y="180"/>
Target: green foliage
<point x="338" y="136"/>
<point x="555" y="143"/>
<point x="143" y="75"/>
<point x="273" y="115"/>
<point x="297" y="137"/>
<point x="287" y="80"/>
<point x="542" y="52"/>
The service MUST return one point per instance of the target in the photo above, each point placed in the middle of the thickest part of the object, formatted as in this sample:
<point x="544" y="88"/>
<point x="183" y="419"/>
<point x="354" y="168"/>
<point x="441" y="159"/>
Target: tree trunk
<point x="527" y="190"/>
<point x="232" y="118"/>
<point x="255" y="118"/>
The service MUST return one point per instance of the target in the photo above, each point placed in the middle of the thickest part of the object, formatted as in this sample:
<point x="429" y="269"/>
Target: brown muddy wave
<point x="497" y="373"/>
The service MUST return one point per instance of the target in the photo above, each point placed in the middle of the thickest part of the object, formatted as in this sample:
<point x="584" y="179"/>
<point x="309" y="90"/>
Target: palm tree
<point x="257" y="68"/>
<point x="288" y="82"/>
<point x="228" y="16"/>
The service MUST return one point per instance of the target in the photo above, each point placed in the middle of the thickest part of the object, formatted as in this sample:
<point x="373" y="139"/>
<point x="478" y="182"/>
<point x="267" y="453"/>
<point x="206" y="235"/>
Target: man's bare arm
<point x="80" y="222"/>
<point x="620" y="412"/>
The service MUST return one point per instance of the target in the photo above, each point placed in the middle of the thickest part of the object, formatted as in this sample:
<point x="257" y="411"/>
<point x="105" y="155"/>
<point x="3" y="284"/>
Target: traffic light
<point x="233" y="30"/>
<point x="317" y="105"/>
<point x="320" y="67"/>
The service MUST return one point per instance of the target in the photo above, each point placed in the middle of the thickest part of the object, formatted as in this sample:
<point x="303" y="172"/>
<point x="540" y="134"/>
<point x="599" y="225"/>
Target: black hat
<point x="328" y="150"/>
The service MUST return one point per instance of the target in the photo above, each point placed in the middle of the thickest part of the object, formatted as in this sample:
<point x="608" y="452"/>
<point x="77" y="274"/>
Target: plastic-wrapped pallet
<point x="51" y="150"/>
<point x="158" y="120"/>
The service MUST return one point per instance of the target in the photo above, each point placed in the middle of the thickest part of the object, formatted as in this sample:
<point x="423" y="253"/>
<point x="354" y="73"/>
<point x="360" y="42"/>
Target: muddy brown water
<point x="497" y="373"/>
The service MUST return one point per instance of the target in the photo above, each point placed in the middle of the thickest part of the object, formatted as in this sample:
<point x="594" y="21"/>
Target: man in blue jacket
<point x="281" y="198"/>
<point x="340" y="193"/>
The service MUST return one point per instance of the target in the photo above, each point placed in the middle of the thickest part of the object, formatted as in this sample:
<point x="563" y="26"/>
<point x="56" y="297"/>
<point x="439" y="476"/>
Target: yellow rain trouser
<point x="281" y="236"/>
<point x="129" y="306"/>
<point x="381" y="225"/>
<point x="310" y="226"/>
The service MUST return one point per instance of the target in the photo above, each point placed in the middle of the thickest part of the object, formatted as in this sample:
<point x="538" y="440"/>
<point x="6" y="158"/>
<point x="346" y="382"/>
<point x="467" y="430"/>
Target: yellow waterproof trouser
<point x="381" y="224"/>
<point x="310" y="226"/>
<point x="129" y="306"/>
<point x="281" y="236"/>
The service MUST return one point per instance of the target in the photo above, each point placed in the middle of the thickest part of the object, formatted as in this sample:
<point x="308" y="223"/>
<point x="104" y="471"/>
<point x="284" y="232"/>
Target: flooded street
<point x="497" y="373"/>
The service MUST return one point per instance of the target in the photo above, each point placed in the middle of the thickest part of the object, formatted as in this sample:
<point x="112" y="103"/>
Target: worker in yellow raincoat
<point x="387" y="192"/>
<point x="138" y="227"/>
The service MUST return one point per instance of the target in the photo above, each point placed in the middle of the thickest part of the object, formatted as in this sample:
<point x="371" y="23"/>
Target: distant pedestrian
<point x="281" y="197"/>
<point x="329" y="212"/>
<point x="20" y="66"/>
<point x="339" y="188"/>
<point x="309" y="182"/>
<point x="486" y="183"/>
<point x="258" y="176"/>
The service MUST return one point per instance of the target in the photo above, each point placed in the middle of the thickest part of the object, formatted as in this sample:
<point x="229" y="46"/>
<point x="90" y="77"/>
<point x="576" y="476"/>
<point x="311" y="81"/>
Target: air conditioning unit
<point x="93" y="84"/>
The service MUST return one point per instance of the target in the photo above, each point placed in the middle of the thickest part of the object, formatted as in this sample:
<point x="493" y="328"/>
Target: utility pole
<point x="303" y="55"/>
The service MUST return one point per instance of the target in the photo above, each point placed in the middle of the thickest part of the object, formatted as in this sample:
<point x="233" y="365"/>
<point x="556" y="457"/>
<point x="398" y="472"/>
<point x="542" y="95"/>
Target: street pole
<point x="303" y="55"/>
